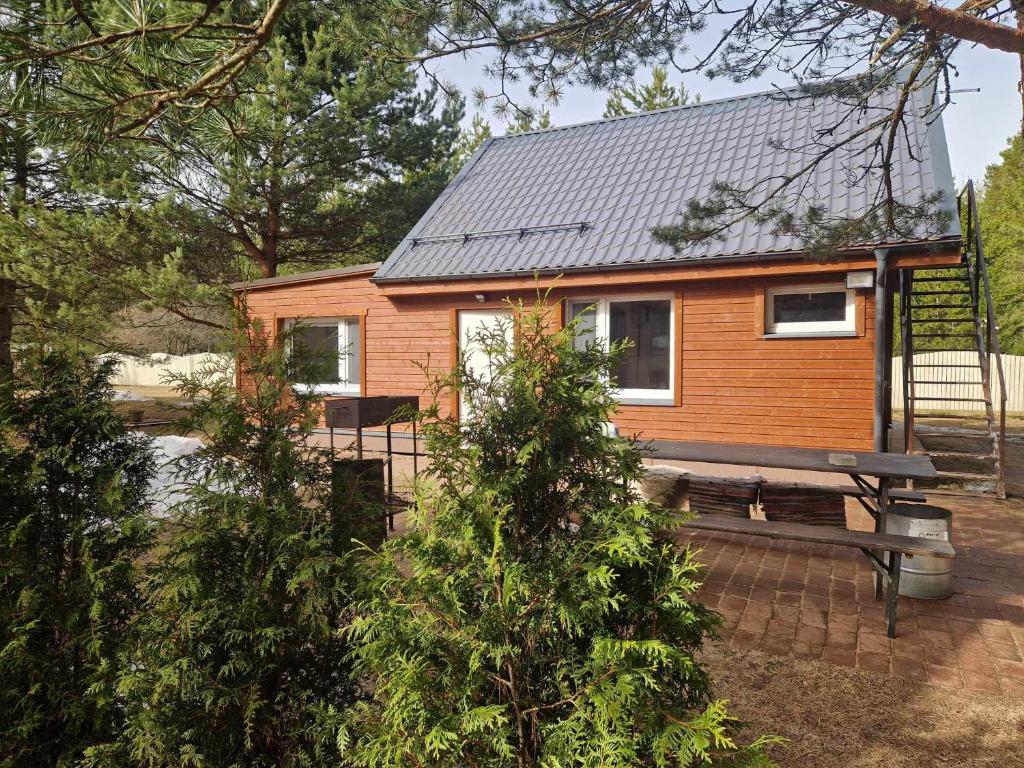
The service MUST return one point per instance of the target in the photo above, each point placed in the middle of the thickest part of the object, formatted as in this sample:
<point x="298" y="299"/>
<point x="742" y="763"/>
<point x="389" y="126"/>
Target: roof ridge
<point x="649" y="113"/>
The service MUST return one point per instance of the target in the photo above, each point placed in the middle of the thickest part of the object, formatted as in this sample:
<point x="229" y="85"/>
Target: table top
<point x="889" y="465"/>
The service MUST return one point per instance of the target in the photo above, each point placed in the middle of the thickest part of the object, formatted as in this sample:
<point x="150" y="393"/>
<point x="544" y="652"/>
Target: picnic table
<point x="859" y="466"/>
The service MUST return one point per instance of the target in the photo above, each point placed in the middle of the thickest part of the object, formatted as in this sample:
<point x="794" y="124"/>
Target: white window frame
<point x="635" y="396"/>
<point x="846" y="326"/>
<point x="349" y="332"/>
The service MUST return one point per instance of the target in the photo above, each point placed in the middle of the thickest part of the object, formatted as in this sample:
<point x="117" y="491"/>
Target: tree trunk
<point x="19" y="193"/>
<point x="6" y="328"/>
<point x="1019" y="7"/>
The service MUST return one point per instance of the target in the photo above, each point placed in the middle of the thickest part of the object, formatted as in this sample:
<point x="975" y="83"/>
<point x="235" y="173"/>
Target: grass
<point x="837" y="717"/>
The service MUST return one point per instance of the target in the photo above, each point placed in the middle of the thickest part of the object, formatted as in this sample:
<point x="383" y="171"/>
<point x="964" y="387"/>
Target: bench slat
<point x="895" y="494"/>
<point x="890" y="542"/>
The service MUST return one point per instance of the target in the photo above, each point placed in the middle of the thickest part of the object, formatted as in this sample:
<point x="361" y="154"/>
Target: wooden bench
<point x="871" y="544"/>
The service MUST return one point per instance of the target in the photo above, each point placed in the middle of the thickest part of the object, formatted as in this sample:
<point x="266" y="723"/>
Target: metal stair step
<point x="945" y="335"/>
<point x="958" y="455"/>
<point x="912" y="307"/>
<point x="927" y="429"/>
<point x="925" y="321"/>
<point x="949" y="399"/>
<point x="959" y="292"/>
<point x="922" y="381"/>
<point x="965" y="476"/>
<point x="946" y="365"/>
<point x="923" y="429"/>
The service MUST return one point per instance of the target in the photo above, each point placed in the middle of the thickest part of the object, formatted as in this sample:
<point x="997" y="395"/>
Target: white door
<point x="471" y="323"/>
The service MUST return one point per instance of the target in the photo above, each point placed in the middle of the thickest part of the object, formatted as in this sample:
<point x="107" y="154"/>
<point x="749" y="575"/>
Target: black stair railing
<point x="990" y="350"/>
<point x="985" y="339"/>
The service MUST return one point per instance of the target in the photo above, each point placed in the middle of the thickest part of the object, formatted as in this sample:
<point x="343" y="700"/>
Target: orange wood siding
<point x="733" y="385"/>
<point x="397" y="337"/>
<point x="740" y="387"/>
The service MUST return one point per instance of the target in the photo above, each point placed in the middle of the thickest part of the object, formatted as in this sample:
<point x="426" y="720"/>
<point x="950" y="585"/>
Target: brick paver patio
<point x="817" y="601"/>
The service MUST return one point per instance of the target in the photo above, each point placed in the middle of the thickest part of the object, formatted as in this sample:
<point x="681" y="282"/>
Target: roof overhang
<point x="305" y="277"/>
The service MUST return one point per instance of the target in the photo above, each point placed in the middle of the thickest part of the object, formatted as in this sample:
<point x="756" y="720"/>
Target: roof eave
<point x="902" y="247"/>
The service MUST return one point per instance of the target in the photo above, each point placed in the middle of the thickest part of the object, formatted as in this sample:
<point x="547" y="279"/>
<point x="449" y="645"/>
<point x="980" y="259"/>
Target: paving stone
<point x="810" y="635"/>
<point x="1005" y="651"/>
<point x="847" y="658"/>
<point x="873" y="662"/>
<point x="936" y="639"/>
<point x="782" y="629"/>
<point x="945" y="676"/>
<point x="911" y="669"/>
<point x="935" y="623"/>
<point x="815" y="601"/>
<point x="872" y="643"/>
<point x="814" y="618"/>
<point x="903" y="648"/>
<point x="841" y="639"/>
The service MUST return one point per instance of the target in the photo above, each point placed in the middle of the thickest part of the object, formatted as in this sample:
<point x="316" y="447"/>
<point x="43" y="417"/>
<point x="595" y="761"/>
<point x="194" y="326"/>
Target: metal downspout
<point x="882" y="378"/>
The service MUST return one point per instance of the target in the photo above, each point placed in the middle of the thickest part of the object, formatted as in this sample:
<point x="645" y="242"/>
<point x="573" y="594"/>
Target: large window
<point x="810" y="309"/>
<point x="644" y="373"/>
<point x="323" y="355"/>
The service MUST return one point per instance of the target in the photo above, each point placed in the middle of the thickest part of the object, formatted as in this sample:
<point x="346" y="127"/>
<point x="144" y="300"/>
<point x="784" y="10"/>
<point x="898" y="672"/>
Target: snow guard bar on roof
<point x="522" y="232"/>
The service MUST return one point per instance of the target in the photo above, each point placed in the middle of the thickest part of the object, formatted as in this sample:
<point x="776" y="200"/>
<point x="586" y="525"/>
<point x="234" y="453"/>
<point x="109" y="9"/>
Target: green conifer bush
<point x="74" y="518"/>
<point x="539" y="612"/>
<point x="237" y="659"/>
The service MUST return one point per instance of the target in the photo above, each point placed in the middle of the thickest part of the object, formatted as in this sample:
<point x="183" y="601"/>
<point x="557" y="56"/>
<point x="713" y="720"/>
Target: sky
<point x="977" y="124"/>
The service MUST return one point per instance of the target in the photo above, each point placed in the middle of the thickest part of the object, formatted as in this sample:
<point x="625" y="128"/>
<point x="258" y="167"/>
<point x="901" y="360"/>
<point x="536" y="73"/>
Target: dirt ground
<point x="156" y="411"/>
<point x="832" y="716"/>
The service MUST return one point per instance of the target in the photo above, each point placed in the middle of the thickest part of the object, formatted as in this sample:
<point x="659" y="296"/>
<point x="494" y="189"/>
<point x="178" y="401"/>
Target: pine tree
<point x="646" y="98"/>
<point x="312" y="155"/>
<point x="480" y="131"/>
<point x="530" y="120"/>
<point x="236" y="658"/>
<point x="326" y="158"/>
<point x="74" y="518"/>
<point x="470" y="141"/>
<point x="1001" y="210"/>
<point x="539" y="612"/>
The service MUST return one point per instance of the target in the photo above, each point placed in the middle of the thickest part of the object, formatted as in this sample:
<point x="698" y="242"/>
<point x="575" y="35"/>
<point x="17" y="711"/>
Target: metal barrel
<point x="922" y="575"/>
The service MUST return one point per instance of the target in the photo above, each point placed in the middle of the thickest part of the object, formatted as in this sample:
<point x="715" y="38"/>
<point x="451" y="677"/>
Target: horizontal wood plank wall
<point x="398" y="337"/>
<point x="736" y="386"/>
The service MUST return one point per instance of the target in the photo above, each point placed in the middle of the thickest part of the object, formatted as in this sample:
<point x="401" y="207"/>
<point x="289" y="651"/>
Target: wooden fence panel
<point x="153" y="371"/>
<point x="959" y="382"/>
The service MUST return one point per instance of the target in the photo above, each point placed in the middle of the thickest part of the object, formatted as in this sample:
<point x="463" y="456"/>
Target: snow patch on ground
<point x="120" y="394"/>
<point x="167" y="448"/>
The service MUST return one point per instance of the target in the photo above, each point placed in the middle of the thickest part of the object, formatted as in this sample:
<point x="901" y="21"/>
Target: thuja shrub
<point x="538" y="613"/>
<point x="237" y="658"/>
<point x="74" y="518"/>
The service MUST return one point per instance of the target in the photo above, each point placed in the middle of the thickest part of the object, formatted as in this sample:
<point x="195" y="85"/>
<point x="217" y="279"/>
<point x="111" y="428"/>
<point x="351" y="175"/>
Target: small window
<point x="816" y="309"/>
<point x="323" y="355"/>
<point x="644" y="373"/>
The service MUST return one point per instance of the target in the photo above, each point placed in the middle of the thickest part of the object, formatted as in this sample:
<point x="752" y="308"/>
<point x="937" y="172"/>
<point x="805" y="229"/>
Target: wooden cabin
<point x="743" y="338"/>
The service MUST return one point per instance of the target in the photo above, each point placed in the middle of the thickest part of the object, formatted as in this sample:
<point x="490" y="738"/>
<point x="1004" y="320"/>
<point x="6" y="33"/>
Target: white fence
<point x="153" y="371"/>
<point x="959" y="382"/>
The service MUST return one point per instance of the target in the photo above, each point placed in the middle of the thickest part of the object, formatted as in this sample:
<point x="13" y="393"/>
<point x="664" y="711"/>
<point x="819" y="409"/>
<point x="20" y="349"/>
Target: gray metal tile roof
<point x="626" y="175"/>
